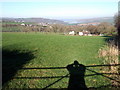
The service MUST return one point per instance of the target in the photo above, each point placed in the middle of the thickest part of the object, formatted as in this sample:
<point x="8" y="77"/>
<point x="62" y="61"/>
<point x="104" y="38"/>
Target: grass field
<point x="36" y="50"/>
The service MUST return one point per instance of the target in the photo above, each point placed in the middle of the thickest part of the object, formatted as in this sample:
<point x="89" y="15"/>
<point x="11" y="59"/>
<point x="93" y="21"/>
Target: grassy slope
<point x="51" y="50"/>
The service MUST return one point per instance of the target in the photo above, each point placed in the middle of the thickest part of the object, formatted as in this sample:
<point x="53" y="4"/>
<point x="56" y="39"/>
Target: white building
<point x="84" y="33"/>
<point x="80" y="33"/>
<point x="72" y="32"/>
<point x="22" y="24"/>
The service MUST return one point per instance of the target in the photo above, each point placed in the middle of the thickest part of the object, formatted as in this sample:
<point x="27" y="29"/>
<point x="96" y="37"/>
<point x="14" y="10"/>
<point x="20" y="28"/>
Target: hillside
<point x="90" y="20"/>
<point x="34" y="20"/>
<point x="61" y="21"/>
<point x="101" y="19"/>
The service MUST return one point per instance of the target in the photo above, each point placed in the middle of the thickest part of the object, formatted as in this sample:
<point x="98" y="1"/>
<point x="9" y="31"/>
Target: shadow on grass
<point x="104" y="87"/>
<point x="76" y="77"/>
<point x="12" y="61"/>
<point x="110" y="39"/>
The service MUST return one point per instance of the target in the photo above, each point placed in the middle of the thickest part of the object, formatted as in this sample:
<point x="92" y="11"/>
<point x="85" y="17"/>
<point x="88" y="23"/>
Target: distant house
<point x="80" y="33"/>
<point x="84" y="33"/>
<point x="44" y="24"/>
<point x="22" y="24"/>
<point x="72" y="33"/>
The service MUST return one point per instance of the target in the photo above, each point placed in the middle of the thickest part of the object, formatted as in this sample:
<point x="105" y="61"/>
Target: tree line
<point x="102" y="28"/>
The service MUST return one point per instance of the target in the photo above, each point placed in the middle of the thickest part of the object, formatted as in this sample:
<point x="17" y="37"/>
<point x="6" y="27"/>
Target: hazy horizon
<point x="59" y="10"/>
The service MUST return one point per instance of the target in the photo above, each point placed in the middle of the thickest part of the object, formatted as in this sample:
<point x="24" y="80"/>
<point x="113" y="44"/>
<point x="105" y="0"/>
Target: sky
<point x="58" y="9"/>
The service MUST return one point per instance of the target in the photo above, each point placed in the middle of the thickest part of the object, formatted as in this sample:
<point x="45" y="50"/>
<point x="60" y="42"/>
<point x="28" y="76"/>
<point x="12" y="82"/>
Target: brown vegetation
<point x="110" y="55"/>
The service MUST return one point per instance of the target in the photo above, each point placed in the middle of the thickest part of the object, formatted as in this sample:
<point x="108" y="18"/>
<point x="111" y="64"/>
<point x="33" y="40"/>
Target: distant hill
<point x="34" y="20"/>
<point x="61" y="21"/>
<point x="101" y="19"/>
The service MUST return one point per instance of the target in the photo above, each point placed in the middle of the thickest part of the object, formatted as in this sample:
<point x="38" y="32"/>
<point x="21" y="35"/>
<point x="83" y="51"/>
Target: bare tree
<point x="117" y="24"/>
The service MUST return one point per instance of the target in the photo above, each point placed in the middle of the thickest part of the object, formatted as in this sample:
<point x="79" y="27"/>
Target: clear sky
<point x="57" y="9"/>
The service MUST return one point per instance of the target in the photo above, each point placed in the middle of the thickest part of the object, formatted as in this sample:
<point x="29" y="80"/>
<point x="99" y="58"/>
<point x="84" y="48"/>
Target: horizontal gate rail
<point x="65" y="67"/>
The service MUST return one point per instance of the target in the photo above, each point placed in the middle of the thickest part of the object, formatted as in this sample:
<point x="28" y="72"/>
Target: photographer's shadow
<point x="77" y="73"/>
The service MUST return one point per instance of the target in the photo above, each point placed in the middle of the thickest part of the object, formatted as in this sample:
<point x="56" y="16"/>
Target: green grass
<point x="48" y="50"/>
